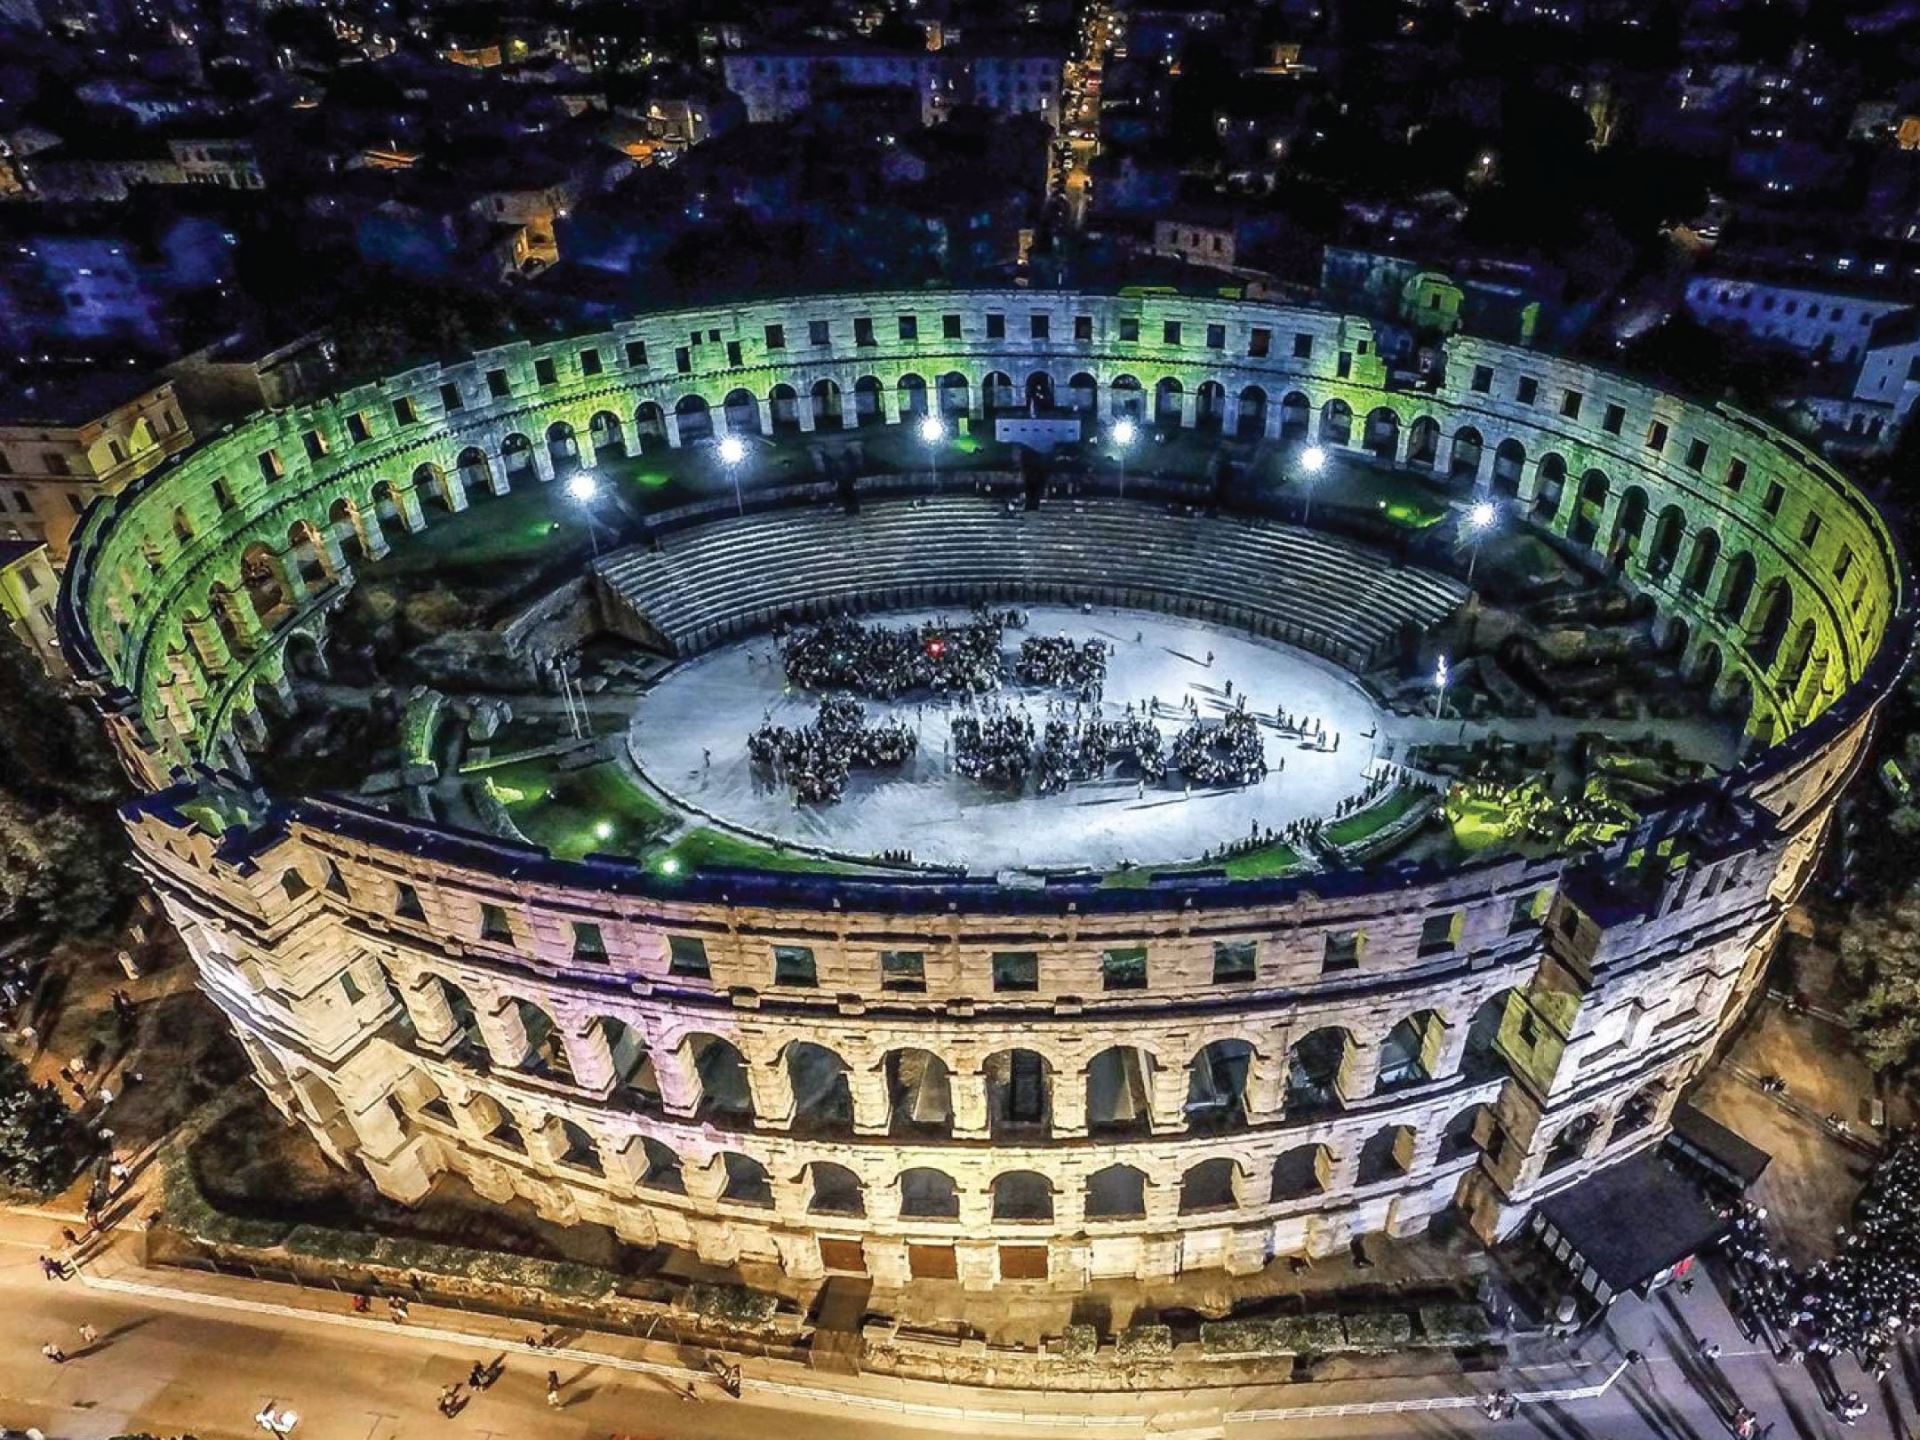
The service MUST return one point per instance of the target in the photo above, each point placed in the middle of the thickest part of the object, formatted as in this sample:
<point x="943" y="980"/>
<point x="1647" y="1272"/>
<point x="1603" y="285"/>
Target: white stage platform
<point x="710" y="704"/>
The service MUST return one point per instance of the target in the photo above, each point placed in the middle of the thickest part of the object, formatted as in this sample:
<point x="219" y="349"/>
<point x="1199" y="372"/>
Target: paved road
<point x="167" y="1366"/>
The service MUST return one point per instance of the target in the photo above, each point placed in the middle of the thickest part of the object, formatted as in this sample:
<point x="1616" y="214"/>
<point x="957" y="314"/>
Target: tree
<point x="1880" y="952"/>
<point x="42" y="1144"/>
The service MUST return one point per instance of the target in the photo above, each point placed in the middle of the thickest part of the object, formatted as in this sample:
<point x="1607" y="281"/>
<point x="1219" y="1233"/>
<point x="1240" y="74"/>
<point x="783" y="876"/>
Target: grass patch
<point x="1480" y="821"/>
<point x="530" y="524"/>
<point x="577" y="812"/>
<point x="1352" y="829"/>
<point x="704" y="849"/>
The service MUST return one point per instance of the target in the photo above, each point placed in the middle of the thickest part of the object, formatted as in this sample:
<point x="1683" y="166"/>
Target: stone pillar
<point x="542" y="463"/>
<point x="883" y="1203"/>
<point x="273" y="674"/>
<point x="1168" y="1099"/>
<point x="454" y="490"/>
<point x="328" y="545"/>
<point x="872" y="1105"/>
<point x="1276" y="415"/>
<point x="679" y="1082"/>
<point x="772" y="1089"/>
<point x="706" y="1181"/>
<point x="890" y="404"/>
<point x="1230" y="416"/>
<point x="967" y="1090"/>
<point x="1344" y="1172"/>
<point x="406" y="500"/>
<point x="1359" y="1070"/>
<point x="766" y="415"/>
<point x="239" y="613"/>
<point x="504" y="1032"/>
<point x="1452" y="1050"/>
<point x="1162" y="1201"/>
<point x="291" y="580"/>
<point x="1102" y="401"/>
<point x="625" y="1163"/>
<point x="799" y="1256"/>
<point x="849" y="408"/>
<point x="249" y="723"/>
<point x="590" y="1058"/>
<point x="803" y="408"/>
<point x="1267" y="1084"/>
<point x="1069" y="1103"/>
<point x="432" y="1017"/>
<point x="976" y="400"/>
<point x="373" y="540"/>
<point x="1248" y="1251"/>
<point x="1189" y="408"/>
<point x="1443" y="455"/>
<point x="670" y="420"/>
<point x="208" y="643"/>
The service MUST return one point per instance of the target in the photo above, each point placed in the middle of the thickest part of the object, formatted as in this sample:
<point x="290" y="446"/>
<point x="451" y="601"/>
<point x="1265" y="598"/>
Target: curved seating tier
<point x="713" y="583"/>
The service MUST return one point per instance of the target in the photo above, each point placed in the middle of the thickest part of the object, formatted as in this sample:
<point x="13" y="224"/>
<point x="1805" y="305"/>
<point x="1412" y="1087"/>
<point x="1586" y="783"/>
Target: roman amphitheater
<point x="1549" y="682"/>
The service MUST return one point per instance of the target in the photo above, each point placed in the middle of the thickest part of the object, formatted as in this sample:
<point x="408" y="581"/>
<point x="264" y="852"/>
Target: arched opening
<point x="1423" y="442"/>
<point x="220" y="603"/>
<point x="1083" y="393"/>
<point x="743" y="413"/>
<point x="1464" y="460"/>
<point x="1572" y="1140"/>
<point x="1168" y="396"/>
<point x="1387" y="1155"/>
<point x="955" y="394"/>
<point x="1584" y="527"/>
<point x="1708" y="665"/>
<point x="1296" y="416"/>
<point x="785" y="404"/>
<point x="1301" y="1172"/>
<point x="1118" y="1192"/>
<point x="433" y="488"/>
<point x="1383" y="433"/>
<point x="343" y="518"/>
<point x="834" y="1190"/>
<point x="1509" y="464"/>
<point x="1210" y="407"/>
<point x="822" y="1098"/>
<point x="1701" y="563"/>
<point x="307" y="555"/>
<point x="1317" y="1071"/>
<point x="577" y="1148"/>
<point x="1668" y="531"/>
<point x="604" y="433"/>
<point x="1022" y="1195"/>
<point x="1019" y="1093"/>
<point x="563" y="448"/>
<point x="868" y="409"/>
<point x="1252" y="421"/>
<point x="928" y="1195"/>
<point x="1208" y="1186"/>
<point x="1771" y="617"/>
<point x="386" y="507"/>
<point x="1039" y="391"/>
<point x="661" y="1168"/>
<point x="996" y="393"/>
<point x="911" y="395"/>
<point x="470" y="1042"/>
<point x="1411" y="1051"/>
<point x="634" y="1083"/>
<point x="726" y="1098"/>
<point x="1629" y="525"/>
<point x="1126" y="396"/>
<point x="694" y="419"/>
<point x="1798" y="657"/>
<point x="516" y="463"/>
<point x="1480" y="1057"/>
<point x="1673" y="645"/>
<point x="920" y="1093"/>
<point x="1550" y="488"/>
<point x="826" y="398"/>
<point x="474" y="474"/>
<point x="747" y="1180"/>
<point x="546" y="1052"/>
<point x="1733" y="700"/>
<point x="1737" y="592"/>
<point x="1217" y="1087"/>
<point x="650" y="426"/>
<point x="1640" y="1109"/>
<point x="1336" y="422"/>
<point x="1470" y="1132"/>
<point x="496" y="1122"/>
<point x="182" y="526"/>
<point x="1119" y="1084"/>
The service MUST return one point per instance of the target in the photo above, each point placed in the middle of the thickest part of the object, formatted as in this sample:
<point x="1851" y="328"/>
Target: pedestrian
<point x="477" y="1377"/>
<point x="553" y="1389"/>
<point x="66" y="1234"/>
<point x="1709" y="1349"/>
<point x="397" y="1307"/>
<point x="54" y="1353"/>
<point x="88" y="1334"/>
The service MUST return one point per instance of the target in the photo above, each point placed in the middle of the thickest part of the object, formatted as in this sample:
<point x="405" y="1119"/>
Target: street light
<point x="733" y="450"/>
<point x="1440" y="678"/>
<point x="1123" y="433"/>
<point x="583" y="489"/>
<point x="1313" y="460"/>
<point x="1480" y="518"/>
<point x="932" y="431"/>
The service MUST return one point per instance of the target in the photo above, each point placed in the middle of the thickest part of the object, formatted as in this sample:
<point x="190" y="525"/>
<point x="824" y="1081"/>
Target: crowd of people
<point x="817" y="759"/>
<point x="1064" y="664"/>
<point x="994" y="744"/>
<point x="885" y="662"/>
<point x="1230" y="753"/>
<point x="1075" y="748"/>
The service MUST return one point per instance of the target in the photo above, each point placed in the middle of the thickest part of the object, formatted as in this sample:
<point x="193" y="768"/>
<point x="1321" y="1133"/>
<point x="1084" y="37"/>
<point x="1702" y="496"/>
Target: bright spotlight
<point x="732" y="449"/>
<point x="670" y="865"/>
<point x="603" y="830"/>
<point x="1124" y="430"/>
<point x="582" y="487"/>
<point x="932" y="431"/>
<point x="1313" y="459"/>
<point x="1481" y="514"/>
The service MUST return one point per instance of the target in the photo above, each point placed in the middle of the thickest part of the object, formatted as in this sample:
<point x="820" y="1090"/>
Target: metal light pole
<point x="733" y="452"/>
<point x="1480" y="518"/>
<point x="1313" y="460"/>
<point x="1123" y="433"/>
<point x="583" y="489"/>
<point x="932" y="431"/>
<point x="1440" y="688"/>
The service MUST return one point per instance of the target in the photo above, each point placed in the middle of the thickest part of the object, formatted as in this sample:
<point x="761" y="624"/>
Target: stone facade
<point x="907" y="1078"/>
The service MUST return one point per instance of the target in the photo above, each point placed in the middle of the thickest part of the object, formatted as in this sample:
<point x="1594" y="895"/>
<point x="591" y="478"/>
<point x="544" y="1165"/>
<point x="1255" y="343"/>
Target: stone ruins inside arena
<point x="742" y="779"/>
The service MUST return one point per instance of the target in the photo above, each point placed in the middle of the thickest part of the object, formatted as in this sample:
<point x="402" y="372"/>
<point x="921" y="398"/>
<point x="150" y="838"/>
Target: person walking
<point x="54" y="1353"/>
<point x="88" y="1335"/>
<point x="553" y="1389"/>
